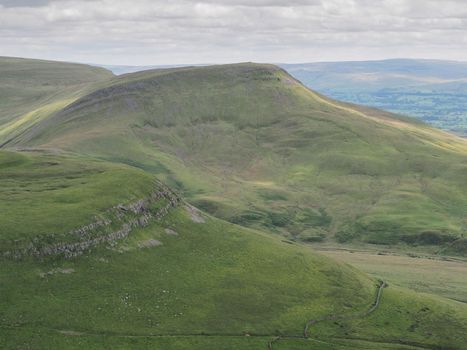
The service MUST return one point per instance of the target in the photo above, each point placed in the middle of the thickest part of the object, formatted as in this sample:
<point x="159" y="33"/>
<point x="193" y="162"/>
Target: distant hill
<point x="432" y="90"/>
<point x="123" y="69"/>
<point x="250" y="144"/>
<point x="32" y="89"/>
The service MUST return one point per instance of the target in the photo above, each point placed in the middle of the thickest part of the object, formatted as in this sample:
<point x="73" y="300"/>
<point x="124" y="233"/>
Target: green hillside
<point x="105" y="256"/>
<point x="249" y="144"/>
<point x="44" y="196"/>
<point x="101" y="246"/>
<point x="31" y="90"/>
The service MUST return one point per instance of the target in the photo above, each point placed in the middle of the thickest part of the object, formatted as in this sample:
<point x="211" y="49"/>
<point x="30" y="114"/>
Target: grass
<point x="45" y="194"/>
<point x="251" y="145"/>
<point x="44" y="339"/>
<point x="426" y="275"/>
<point x="211" y="278"/>
<point x="225" y="271"/>
<point x="404" y="316"/>
<point x="32" y="90"/>
<point x="247" y="143"/>
<point x="34" y="339"/>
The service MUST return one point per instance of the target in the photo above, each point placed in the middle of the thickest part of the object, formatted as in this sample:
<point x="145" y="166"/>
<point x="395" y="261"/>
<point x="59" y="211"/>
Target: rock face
<point x="116" y="224"/>
<point x="195" y="214"/>
<point x="171" y="232"/>
<point x="149" y="243"/>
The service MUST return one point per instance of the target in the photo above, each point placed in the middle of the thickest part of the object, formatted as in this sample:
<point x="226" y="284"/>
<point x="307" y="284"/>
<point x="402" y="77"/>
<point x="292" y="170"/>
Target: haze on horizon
<point x="145" y="32"/>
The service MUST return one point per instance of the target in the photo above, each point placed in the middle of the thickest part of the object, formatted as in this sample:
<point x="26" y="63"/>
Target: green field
<point x="209" y="279"/>
<point x="101" y="246"/>
<point x="444" y="277"/>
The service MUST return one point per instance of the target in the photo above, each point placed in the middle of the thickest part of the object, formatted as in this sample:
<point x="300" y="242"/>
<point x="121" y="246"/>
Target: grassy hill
<point x="100" y="249"/>
<point x="250" y="144"/>
<point x="44" y="196"/>
<point x="30" y="90"/>
<point x="104" y="256"/>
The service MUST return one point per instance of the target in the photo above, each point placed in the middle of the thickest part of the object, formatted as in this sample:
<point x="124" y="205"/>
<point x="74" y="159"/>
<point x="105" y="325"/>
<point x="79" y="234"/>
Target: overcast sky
<point x="140" y="32"/>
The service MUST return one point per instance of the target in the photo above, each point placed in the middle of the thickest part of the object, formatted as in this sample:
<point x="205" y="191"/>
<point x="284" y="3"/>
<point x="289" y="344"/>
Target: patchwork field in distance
<point x="434" y="91"/>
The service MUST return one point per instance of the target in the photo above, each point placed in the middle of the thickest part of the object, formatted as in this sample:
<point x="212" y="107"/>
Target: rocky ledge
<point x="116" y="223"/>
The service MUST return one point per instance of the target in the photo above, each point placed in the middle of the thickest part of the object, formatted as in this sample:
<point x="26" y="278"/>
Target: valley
<point x="442" y="276"/>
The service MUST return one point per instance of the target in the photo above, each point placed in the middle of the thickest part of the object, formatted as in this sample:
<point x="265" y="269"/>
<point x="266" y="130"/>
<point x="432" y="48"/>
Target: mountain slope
<point x="31" y="90"/>
<point x="250" y="144"/>
<point x="179" y="279"/>
<point x="97" y="254"/>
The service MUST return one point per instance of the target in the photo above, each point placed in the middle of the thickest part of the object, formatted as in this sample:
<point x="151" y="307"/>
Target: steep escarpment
<point x="56" y="204"/>
<point x="114" y="224"/>
<point x="250" y="144"/>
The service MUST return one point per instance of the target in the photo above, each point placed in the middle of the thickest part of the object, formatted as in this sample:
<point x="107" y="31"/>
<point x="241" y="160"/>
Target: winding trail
<point x="311" y="322"/>
<point x="373" y="307"/>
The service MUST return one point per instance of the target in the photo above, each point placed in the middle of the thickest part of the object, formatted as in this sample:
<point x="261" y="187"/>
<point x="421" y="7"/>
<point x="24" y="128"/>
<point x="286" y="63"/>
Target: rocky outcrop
<point x="115" y="224"/>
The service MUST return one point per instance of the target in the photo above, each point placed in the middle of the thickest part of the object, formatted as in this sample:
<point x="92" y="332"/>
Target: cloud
<point x="184" y="31"/>
<point x="23" y="3"/>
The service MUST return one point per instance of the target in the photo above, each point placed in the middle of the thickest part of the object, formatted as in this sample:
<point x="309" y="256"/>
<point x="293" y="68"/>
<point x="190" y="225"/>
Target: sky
<point x="153" y="32"/>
